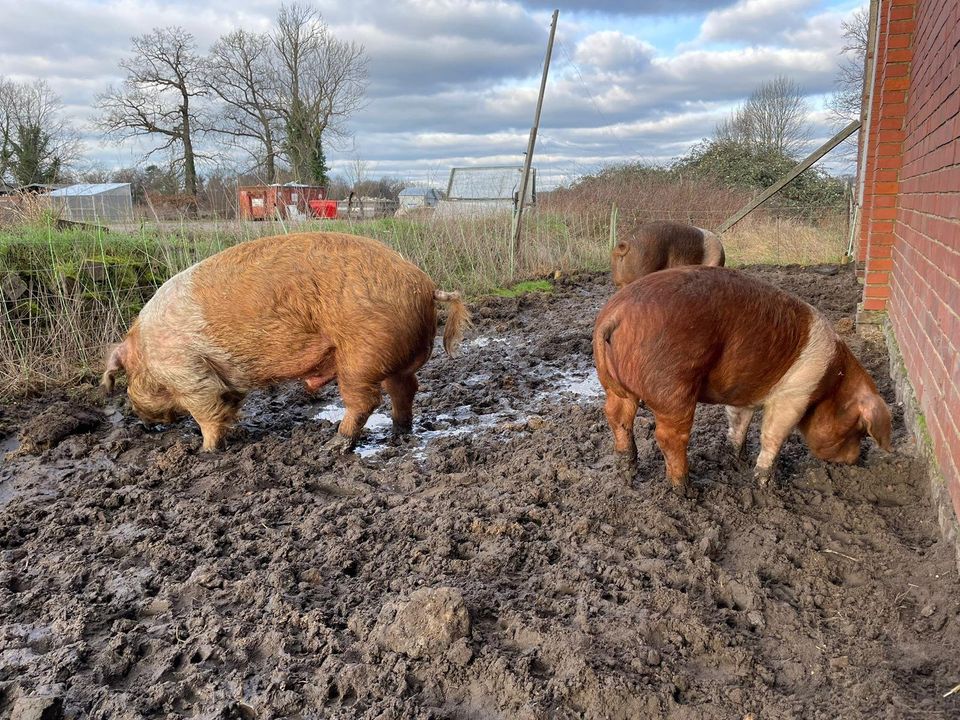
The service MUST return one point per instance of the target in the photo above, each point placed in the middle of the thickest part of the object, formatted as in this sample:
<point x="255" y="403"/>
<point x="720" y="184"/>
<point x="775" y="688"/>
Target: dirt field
<point x="492" y="567"/>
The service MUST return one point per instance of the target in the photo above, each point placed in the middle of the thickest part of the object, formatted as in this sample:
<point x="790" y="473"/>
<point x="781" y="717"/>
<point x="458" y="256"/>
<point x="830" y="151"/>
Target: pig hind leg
<point x="779" y="419"/>
<point x="673" y="436"/>
<point x="360" y="398"/>
<point x="621" y="414"/>
<point x="401" y="388"/>
<point x="739" y="420"/>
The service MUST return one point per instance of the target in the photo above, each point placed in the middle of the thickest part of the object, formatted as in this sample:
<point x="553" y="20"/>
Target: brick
<point x="877" y="291"/>
<point x="876" y="278"/>
<point x="881" y="263"/>
<point x="884" y="213"/>
<point x="894" y="109"/>
<point x="899" y="55"/>
<point x="874" y="304"/>
<point x="898" y="41"/>
<point x="894" y="136"/>
<point x="895" y="98"/>
<point x="895" y="83"/>
<point x="903" y="12"/>
<point x="902" y="26"/>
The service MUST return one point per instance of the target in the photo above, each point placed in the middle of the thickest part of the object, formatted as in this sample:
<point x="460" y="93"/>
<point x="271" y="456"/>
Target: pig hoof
<point x="340" y="445"/>
<point x="735" y="455"/>
<point x="763" y="476"/>
<point x="684" y="489"/>
<point x="626" y="467"/>
<point x="402" y="429"/>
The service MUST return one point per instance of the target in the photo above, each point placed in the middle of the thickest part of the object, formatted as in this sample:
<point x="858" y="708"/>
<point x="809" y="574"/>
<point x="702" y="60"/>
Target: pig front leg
<point x="739" y="420"/>
<point x="779" y="419"/>
<point x="621" y="414"/>
<point x="215" y="411"/>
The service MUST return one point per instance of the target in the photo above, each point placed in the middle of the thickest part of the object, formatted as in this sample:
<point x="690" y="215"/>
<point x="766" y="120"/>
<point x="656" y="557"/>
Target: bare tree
<point x="7" y="106"/>
<point x="240" y="74"/>
<point x="847" y="98"/>
<point x="158" y="96"/>
<point x="774" y="116"/>
<point x="320" y="83"/>
<point x="36" y="143"/>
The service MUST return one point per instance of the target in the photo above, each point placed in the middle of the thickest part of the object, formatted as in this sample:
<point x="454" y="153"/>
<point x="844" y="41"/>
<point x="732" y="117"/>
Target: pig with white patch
<point x="311" y="306"/>
<point x="663" y="244"/>
<point x="712" y="335"/>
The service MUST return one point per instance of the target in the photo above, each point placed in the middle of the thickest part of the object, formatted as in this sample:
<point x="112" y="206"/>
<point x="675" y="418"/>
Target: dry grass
<point x="66" y="295"/>
<point x="786" y="241"/>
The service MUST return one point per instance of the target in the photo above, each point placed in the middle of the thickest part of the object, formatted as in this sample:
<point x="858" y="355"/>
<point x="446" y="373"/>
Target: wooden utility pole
<point x="528" y="160"/>
<point x="782" y="182"/>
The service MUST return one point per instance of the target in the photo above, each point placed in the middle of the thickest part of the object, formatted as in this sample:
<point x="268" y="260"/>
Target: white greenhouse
<point x="93" y="202"/>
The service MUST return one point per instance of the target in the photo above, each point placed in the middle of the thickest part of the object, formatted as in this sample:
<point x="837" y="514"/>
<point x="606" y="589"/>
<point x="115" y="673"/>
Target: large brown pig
<point x="660" y="245"/>
<point x="311" y="306"/>
<point x="702" y="334"/>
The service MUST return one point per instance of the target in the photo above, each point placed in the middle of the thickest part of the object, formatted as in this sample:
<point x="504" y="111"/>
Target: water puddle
<point x="376" y="430"/>
<point x="580" y="386"/>
<point x="9" y="444"/>
<point x="482" y="342"/>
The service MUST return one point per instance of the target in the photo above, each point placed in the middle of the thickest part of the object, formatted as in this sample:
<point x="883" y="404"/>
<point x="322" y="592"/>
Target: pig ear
<point x="875" y="419"/>
<point x="115" y="363"/>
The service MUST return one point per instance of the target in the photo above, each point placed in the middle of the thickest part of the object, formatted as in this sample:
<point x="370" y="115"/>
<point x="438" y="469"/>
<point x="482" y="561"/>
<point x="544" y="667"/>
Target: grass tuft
<point x="524" y="287"/>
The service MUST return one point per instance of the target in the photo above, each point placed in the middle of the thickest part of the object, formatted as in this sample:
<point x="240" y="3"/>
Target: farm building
<point x="909" y="249"/>
<point x="484" y="190"/>
<point x="415" y="198"/>
<point x="93" y="202"/>
<point x="269" y="202"/>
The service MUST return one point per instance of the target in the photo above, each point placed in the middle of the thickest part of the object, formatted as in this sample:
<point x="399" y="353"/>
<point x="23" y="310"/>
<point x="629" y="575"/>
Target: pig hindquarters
<point x="312" y="306"/>
<point x="711" y="335"/>
<point x="659" y="245"/>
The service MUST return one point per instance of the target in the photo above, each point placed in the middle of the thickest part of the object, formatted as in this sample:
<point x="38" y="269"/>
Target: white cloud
<point x="754" y="20"/>
<point x="613" y="50"/>
<point x="455" y="81"/>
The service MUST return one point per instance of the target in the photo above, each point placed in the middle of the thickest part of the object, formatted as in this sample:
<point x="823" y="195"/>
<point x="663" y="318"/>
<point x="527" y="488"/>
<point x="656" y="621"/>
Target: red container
<point x="269" y="202"/>
<point x="323" y="208"/>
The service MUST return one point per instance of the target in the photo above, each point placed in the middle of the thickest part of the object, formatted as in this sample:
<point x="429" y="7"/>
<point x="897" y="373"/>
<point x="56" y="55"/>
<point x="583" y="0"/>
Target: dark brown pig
<point x="711" y="335"/>
<point x="660" y="245"/>
<point x="311" y="306"/>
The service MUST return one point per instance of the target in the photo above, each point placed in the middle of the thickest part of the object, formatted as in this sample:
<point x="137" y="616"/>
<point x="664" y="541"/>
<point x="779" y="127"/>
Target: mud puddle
<point x="490" y="566"/>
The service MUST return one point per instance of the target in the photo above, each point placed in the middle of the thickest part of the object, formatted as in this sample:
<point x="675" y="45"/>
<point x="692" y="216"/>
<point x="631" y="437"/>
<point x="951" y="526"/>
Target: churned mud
<point x="491" y="566"/>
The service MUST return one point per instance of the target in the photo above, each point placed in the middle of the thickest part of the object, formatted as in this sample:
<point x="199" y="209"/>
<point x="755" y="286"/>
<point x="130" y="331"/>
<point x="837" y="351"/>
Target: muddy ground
<point x="491" y="567"/>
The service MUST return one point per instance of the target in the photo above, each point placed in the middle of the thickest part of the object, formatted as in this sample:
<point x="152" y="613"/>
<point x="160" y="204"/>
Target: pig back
<point x="278" y="306"/>
<point x="717" y="333"/>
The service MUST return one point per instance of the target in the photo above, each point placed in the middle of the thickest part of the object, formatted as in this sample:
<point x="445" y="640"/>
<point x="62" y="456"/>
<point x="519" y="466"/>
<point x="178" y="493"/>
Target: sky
<point x="454" y="82"/>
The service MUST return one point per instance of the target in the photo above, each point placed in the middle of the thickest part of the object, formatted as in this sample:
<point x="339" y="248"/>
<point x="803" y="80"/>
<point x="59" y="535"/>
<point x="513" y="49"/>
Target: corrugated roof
<point x="88" y="189"/>
<point x="416" y="191"/>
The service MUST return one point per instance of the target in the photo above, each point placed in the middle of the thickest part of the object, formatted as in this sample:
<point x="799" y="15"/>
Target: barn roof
<point x="88" y="189"/>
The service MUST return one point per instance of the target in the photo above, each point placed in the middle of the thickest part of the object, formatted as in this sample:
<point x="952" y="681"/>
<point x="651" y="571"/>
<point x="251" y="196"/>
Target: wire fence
<point x="67" y="293"/>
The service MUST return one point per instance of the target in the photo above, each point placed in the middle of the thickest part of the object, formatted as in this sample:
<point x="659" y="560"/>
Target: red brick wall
<point x="910" y="241"/>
